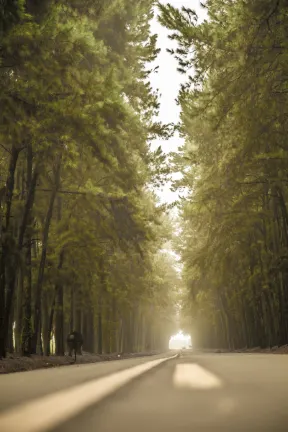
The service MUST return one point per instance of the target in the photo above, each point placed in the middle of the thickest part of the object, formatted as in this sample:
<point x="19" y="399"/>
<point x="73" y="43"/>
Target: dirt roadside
<point x="14" y="363"/>
<point x="273" y="350"/>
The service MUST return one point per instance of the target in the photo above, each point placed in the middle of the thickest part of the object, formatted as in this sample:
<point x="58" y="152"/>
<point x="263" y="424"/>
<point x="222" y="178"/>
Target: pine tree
<point x="234" y="168"/>
<point x="77" y="117"/>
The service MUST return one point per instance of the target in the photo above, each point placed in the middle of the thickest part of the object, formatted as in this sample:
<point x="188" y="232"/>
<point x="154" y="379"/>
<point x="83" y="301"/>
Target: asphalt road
<point x="196" y="392"/>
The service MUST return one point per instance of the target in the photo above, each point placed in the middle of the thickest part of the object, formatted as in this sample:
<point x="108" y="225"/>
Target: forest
<point x="83" y="236"/>
<point x="234" y="218"/>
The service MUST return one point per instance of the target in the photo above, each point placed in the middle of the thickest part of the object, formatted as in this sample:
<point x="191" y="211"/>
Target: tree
<point x="234" y="165"/>
<point x="77" y="117"/>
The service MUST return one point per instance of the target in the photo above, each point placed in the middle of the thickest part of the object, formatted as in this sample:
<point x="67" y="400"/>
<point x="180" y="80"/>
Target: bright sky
<point x="168" y="81"/>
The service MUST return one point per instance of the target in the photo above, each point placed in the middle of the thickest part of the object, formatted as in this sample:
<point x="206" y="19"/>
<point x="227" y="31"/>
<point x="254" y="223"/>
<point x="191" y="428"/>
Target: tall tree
<point x="77" y="114"/>
<point x="234" y="166"/>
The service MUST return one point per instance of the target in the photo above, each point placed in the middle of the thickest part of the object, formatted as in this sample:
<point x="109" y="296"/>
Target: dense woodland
<point x="82" y="234"/>
<point x="234" y="241"/>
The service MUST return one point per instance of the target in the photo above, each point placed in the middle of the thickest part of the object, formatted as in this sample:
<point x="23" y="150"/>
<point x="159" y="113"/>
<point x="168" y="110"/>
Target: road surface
<point x="196" y="392"/>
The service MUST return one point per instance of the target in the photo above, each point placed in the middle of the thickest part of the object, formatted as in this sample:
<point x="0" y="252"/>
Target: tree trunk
<point x="90" y="331"/>
<point x="100" y="304"/>
<point x="10" y="342"/>
<point x="59" y="318"/>
<point x="78" y="318"/>
<point x="120" y="336"/>
<point x="19" y="312"/>
<point x="99" y="329"/>
<point x="27" y="222"/>
<point x="37" y="312"/>
<point x="39" y="345"/>
<point x="114" y="324"/>
<point x="46" y="300"/>
<point x="5" y="252"/>
<point x="72" y="308"/>
<point x="27" y="306"/>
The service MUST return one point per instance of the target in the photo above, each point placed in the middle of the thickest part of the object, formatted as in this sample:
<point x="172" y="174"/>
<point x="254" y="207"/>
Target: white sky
<point x="168" y="81"/>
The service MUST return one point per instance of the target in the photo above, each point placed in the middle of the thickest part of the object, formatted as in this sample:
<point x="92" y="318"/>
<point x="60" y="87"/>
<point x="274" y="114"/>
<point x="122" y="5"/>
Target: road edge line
<point x="40" y="415"/>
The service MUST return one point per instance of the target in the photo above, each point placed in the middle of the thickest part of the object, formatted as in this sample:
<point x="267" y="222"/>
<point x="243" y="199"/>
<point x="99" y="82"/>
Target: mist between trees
<point x="81" y="231"/>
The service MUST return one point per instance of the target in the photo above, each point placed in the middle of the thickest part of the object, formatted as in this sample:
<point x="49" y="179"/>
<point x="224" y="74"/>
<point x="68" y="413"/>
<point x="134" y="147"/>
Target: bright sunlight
<point x="179" y="341"/>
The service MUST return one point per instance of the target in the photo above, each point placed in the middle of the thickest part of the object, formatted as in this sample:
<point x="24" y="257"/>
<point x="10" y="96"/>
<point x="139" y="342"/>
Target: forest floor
<point x="17" y="363"/>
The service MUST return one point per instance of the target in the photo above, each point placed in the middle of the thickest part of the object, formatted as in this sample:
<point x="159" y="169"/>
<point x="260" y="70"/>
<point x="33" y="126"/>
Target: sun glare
<point x="179" y="341"/>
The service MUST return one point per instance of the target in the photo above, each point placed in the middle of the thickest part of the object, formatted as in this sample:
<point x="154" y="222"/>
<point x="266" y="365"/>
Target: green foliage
<point x="80" y="231"/>
<point x="234" y="165"/>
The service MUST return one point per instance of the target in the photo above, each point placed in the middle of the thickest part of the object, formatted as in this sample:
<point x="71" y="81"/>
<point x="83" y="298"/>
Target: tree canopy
<point x="81" y="232"/>
<point x="234" y="239"/>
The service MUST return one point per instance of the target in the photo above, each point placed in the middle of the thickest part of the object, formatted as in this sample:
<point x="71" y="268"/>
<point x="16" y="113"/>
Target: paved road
<point x="196" y="392"/>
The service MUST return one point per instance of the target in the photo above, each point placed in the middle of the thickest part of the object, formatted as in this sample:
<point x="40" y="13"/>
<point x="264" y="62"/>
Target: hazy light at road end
<point x="179" y="341"/>
<point x="191" y="375"/>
